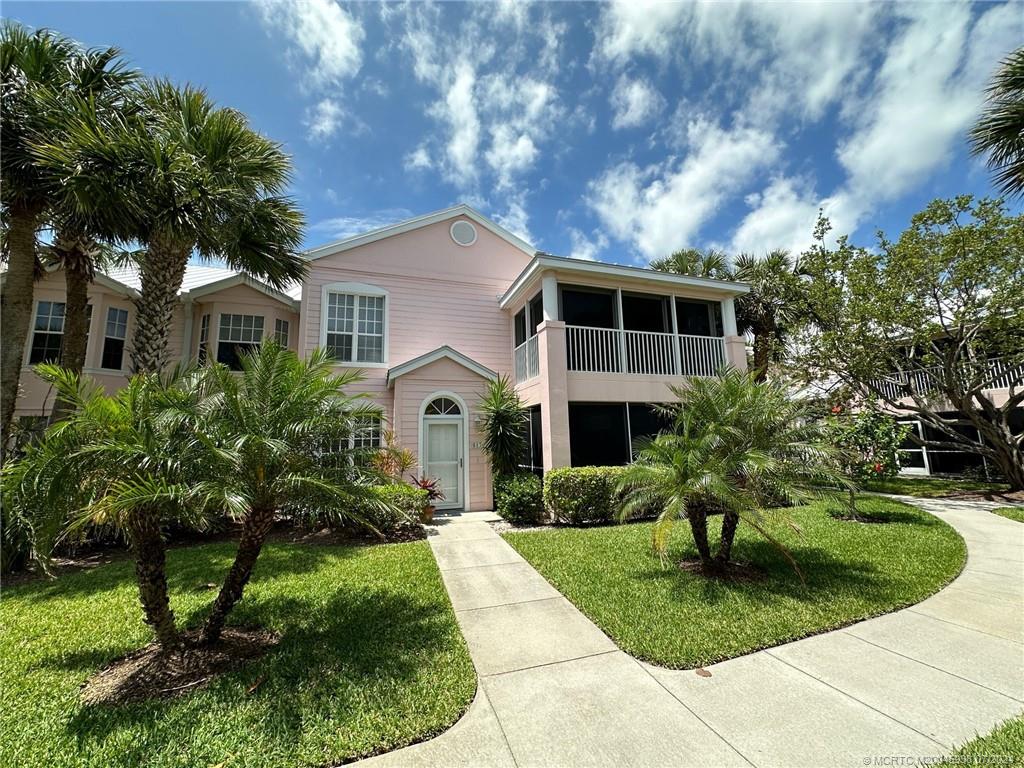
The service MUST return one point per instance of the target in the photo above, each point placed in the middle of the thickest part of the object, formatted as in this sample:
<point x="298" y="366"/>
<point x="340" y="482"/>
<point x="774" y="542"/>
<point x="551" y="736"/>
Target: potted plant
<point x="433" y="488"/>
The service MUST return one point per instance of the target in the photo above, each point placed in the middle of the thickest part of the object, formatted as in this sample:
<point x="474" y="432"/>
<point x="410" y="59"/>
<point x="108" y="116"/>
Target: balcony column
<point x="549" y="295"/>
<point x="554" y="392"/>
<point x="735" y="345"/>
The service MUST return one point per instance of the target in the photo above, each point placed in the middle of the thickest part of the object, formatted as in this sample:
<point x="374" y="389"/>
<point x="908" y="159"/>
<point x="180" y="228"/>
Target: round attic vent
<point x="463" y="232"/>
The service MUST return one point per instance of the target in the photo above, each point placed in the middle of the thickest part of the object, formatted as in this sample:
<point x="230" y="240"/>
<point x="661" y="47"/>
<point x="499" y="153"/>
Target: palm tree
<point x="182" y="177"/>
<point x="771" y="308"/>
<point x="695" y="262"/>
<point x="503" y="422"/>
<point x="999" y="132"/>
<point x="132" y="461"/>
<point x="28" y="61"/>
<point x="285" y="426"/>
<point x="736" y="447"/>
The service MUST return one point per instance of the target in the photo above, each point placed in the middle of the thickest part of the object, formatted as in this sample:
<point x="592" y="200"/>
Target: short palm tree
<point x="736" y="447"/>
<point x="772" y="307"/>
<point x="183" y="176"/>
<point x="999" y="132"/>
<point x="503" y="422"/>
<point x="131" y="461"/>
<point x="285" y="426"/>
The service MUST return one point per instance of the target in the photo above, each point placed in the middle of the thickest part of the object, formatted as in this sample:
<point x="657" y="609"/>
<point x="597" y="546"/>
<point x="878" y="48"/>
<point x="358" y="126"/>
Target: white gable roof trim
<point x="440" y="353"/>
<point x="419" y="222"/>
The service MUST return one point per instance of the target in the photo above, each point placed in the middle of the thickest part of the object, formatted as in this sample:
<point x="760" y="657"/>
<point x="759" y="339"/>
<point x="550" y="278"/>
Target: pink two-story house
<point x="430" y="310"/>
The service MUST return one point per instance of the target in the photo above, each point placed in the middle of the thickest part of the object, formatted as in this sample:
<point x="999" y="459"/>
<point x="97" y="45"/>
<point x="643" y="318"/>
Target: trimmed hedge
<point x="408" y="503"/>
<point x="583" y="495"/>
<point x="519" y="498"/>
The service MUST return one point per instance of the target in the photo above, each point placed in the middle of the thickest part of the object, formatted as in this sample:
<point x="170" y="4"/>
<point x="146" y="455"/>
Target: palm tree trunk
<point x="254" y="533"/>
<point x="762" y="354"/>
<point x="75" y="255"/>
<point x="16" y="307"/>
<point x="730" y="521"/>
<point x="150" y="555"/>
<point x="698" y="518"/>
<point x="163" y="269"/>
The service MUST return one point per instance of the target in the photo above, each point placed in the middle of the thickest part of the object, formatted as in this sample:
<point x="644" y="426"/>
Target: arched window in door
<point x="442" y="406"/>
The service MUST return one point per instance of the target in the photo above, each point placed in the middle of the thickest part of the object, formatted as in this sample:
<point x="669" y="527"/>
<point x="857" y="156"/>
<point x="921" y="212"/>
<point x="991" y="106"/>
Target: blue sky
<point x="617" y="132"/>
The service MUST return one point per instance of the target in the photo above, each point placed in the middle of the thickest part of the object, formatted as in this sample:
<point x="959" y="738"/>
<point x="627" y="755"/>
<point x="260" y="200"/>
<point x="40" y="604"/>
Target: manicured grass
<point x="931" y="487"/>
<point x="1003" y="746"/>
<point x="677" y="619"/>
<point x="371" y="658"/>
<point x="1011" y="513"/>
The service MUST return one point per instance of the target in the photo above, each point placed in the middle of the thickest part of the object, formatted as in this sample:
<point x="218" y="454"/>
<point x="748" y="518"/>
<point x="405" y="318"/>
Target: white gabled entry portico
<point x="434" y="398"/>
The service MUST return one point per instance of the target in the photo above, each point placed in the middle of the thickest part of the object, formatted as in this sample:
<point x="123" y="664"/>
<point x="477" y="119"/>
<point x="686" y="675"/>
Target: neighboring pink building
<point x="430" y="310"/>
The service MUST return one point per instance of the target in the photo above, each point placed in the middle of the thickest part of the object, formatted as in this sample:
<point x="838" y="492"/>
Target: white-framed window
<point x="115" y="332"/>
<point x="354" y="323"/>
<point x="368" y="433"/>
<point x="281" y="332"/>
<point x="204" y="340"/>
<point x="238" y="334"/>
<point x="47" y="333"/>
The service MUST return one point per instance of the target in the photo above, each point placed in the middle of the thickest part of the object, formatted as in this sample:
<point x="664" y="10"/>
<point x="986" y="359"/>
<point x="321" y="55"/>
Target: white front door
<point x="443" y="443"/>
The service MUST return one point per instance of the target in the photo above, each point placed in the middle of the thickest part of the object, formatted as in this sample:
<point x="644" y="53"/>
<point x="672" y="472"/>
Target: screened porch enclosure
<point x="611" y="331"/>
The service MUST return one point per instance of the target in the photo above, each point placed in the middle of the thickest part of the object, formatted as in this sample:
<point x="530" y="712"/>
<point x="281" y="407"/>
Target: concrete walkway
<point x="555" y="691"/>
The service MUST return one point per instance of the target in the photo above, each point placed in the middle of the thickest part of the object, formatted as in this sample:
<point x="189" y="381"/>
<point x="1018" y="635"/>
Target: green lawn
<point x="931" y="487"/>
<point x="1011" y="513"/>
<point x="676" y="619"/>
<point x="1003" y="746"/>
<point x="371" y="658"/>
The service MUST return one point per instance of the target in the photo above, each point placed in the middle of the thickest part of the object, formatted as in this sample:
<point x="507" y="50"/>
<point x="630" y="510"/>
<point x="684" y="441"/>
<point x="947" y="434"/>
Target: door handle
<point x="460" y="462"/>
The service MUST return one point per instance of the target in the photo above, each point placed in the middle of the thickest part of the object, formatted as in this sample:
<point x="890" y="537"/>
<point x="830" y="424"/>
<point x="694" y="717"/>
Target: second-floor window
<point x="47" y="333"/>
<point x="354" y="323"/>
<point x="113" y="339"/>
<point x="238" y="334"/>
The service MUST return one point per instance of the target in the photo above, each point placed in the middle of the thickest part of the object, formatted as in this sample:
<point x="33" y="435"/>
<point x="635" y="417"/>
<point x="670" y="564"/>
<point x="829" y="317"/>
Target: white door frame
<point x="464" y="416"/>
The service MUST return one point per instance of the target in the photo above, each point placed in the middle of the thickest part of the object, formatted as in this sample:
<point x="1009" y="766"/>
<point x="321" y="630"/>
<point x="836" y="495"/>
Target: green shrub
<point x="583" y="495"/>
<point x="519" y="498"/>
<point x="407" y="501"/>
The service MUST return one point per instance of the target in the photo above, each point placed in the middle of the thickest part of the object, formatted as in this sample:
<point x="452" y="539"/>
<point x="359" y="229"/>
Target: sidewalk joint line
<point x="484" y="565"/>
<point x="962" y="626"/>
<point x="552" y="663"/>
<point x="505" y="605"/>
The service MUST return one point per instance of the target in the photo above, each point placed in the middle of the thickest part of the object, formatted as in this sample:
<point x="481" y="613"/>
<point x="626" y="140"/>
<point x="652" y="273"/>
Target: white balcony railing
<point x="527" y="360"/>
<point x="611" y="350"/>
<point x="999" y="375"/>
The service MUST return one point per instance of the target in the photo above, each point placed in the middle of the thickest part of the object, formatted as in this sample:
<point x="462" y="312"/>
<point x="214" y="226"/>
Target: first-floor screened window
<point x="47" y="333"/>
<point x="367" y="433"/>
<point x="238" y="334"/>
<point x="355" y="327"/>
<point x="281" y="332"/>
<point x="113" y="339"/>
<point x="204" y="340"/>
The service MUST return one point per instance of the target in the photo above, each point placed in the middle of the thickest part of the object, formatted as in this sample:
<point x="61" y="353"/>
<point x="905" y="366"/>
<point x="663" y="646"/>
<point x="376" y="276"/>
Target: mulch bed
<point x="150" y="674"/>
<point x="733" y="571"/>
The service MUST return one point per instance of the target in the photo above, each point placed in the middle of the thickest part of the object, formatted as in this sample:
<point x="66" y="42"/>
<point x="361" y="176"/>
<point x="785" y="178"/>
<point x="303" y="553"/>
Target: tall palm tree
<point x="28" y="61"/>
<point x="736" y="447"/>
<point x="189" y="178"/>
<point x="132" y="461"/>
<point x="771" y="308"/>
<point x="999" y="132"/>
<point x="285" y="426"/>
<point x="695" y="262"/>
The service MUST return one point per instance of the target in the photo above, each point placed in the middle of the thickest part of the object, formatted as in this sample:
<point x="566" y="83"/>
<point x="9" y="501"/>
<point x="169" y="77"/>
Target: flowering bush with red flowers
<point x="869" y="440"/>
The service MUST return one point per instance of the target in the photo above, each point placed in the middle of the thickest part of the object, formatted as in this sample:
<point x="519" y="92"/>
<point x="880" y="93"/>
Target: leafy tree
<point x="772" y="308"/>
<point x="735" y="446"/>
<point x="504" y="421"/>
<point x="181" y="176"/>
<point x="928" y="325"/>
<point x="283" y="428"/>
<point x="999" y="132"/>
<point x="131" y="461"/>
<point x="869" y="441"/>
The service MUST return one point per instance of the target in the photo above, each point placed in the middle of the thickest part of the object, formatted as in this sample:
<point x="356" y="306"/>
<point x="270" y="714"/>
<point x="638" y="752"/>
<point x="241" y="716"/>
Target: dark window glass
<point x="48" y="333"/>
<point x="534" y="458"/>
<point x="597" y="434"/>
<point x="45" y="348"/>
<point x="694" y="317"/>
<point x="520" y="326"/>
<point x="229" y="352"/>
<point x="595" y="309"/>
<point x="645" y="313"/>
<point x="644" y="421"/>
<point x="536" y="313"/>
<point x="113" y="354"/>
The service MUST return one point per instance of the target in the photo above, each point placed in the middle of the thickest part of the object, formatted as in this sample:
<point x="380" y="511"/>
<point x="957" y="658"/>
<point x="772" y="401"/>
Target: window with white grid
<point x="354" y="326"/>
<point x="47" y="333"/>
<point x="367" y="433"/>
<point x="281" y="332"/>
<point x="238" y="334"/>
<point x="115" y="333"/>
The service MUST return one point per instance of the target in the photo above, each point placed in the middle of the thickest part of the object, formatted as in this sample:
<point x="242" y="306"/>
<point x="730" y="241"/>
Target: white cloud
<point x="663" y="207"/>
<point x="634" y="102"/>
<point x="418" y="160"/>
<point x="783" y="216"/>
<point x="510" y="153"/>
<point x="584" y="247"/>
<point x="515" y="218"/>
<point x="459" y="110"/>
<point x="324" y="36"/>
<point x="341" y="227"/>
<point x="324" y="119"/>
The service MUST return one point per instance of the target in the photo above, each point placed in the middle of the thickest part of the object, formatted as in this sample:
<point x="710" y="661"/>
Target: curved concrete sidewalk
<point x="555" y="691"/>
